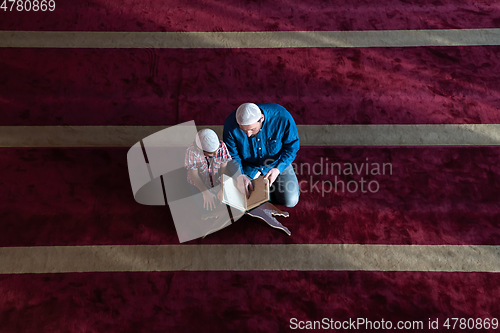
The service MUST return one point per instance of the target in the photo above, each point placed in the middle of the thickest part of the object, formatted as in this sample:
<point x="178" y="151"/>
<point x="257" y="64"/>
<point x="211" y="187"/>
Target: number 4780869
<point x="28" y="5"/>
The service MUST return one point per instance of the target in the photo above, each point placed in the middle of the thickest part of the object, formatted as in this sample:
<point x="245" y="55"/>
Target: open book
<point x="234" y="198"/>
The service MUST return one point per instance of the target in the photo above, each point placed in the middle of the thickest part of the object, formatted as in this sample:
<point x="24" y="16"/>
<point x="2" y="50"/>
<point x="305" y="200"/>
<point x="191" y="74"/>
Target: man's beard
<point x="254" y="135"/>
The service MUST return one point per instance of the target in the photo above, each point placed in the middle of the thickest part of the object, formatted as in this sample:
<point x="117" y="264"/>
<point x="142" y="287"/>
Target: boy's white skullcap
<point x="247" y="114"/>
<point x="207" y="140"/>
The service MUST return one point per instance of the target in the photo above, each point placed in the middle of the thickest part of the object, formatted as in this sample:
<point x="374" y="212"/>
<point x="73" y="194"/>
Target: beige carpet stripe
<point x="309" y="257"/>
<point x="310" y="135"/>
<point x="263" y="39"/>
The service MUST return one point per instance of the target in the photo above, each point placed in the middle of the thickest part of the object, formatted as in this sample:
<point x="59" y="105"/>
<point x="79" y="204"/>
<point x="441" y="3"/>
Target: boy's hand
<point x="208" y="200"/>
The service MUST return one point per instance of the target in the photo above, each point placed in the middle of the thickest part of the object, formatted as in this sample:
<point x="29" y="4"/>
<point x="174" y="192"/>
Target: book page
<point x="260" y="193"/>
<point x="231" y="195"/>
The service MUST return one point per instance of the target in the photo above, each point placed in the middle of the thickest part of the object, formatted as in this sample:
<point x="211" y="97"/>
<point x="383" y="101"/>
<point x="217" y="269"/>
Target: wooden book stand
<point x="265" y="212"/>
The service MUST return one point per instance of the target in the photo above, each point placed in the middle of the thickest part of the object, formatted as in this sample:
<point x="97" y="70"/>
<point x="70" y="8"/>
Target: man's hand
<point x="208" y="200"/>
<point x="272" y="175"/>
<point x="220" y="195"/>
<point x="245" y="185"/>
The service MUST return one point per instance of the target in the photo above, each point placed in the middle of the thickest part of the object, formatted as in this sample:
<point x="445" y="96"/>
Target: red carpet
<point x="238" y="301"/>
<point x="237" y="15"/>
<point x="424" y="85"/>
<point x="82" y="196"/>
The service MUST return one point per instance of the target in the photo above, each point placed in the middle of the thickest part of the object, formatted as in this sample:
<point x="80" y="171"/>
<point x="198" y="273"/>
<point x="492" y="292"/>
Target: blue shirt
<point x="275" y="146"/>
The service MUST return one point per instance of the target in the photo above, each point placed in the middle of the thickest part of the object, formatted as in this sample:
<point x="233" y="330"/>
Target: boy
<point x="206" y="160"/>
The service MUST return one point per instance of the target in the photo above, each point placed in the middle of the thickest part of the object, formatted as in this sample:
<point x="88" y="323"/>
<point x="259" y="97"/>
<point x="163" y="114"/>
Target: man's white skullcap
<point x="207" y="140"/>
<point x="247" y="114"/>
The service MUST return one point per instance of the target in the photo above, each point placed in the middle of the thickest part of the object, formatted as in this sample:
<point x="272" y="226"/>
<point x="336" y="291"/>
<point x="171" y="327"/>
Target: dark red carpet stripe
<point x="436" y="195"/>
<point x="238" y="301"/>
<point x="237" y="15"/>
<point x="430" y="85"/>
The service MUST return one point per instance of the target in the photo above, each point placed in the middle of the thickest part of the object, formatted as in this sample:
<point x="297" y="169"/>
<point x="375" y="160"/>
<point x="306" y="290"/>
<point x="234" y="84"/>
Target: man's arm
<point x="232" y="147"/>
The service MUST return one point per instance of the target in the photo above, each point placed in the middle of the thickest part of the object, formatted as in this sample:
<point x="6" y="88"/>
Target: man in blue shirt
<point x="264" y="141"/>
